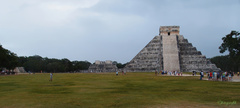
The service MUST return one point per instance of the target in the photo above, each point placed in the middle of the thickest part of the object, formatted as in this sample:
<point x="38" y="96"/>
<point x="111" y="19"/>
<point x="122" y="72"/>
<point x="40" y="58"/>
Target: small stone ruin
<point x="102" y="66"/>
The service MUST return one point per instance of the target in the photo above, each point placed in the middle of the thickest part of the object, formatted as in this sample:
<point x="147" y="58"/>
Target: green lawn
<point x="107" y="90"/>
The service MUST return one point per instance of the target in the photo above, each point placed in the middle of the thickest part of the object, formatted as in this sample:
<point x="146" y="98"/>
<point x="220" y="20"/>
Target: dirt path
<point x="234" y="79"/>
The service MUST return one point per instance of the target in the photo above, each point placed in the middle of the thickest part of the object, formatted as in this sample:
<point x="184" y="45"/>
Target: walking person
<point x="51" y="77"/>
<point x="213" y="75"/>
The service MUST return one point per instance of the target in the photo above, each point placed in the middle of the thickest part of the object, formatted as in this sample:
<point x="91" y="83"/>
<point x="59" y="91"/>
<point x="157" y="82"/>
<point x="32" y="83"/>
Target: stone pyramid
<point x="169" y="52"/>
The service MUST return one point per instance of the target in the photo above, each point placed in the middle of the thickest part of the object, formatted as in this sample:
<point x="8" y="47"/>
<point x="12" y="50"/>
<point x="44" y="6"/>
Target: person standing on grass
<point x="226" y="75"/>
<point x="237" y="73"/>
<point x="207" y="74"/>
<point x="223" y="76"/>
<point x="229" y="76"/>
<point x="155" y="72"/>
<point x="201" y="75"/>
<point x="117" y="73"/>
<point x="213" y="75"/>
<point x="51" y="76"/>
<point x="210" y="75"/>
<point x="218" y="76"/>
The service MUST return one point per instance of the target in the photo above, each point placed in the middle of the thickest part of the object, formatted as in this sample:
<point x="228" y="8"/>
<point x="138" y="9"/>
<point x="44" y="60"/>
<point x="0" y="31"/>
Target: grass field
<point x="107" y="90"/>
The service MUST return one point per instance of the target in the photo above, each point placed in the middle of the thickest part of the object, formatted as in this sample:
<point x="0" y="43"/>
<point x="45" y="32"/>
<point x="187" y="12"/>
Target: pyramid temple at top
<point x="169" y="51"/>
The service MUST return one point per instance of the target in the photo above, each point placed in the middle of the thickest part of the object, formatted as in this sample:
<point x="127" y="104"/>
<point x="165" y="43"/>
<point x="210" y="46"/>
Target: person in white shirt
<point x="51" y="76"/>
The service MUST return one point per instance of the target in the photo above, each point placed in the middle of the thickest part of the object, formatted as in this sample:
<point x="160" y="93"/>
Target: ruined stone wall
<point x="102" y="66"/>
<point x="19" y="70"/>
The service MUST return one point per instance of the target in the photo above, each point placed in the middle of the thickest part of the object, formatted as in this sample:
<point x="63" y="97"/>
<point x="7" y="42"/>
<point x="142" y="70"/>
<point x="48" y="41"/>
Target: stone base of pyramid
<point x="169" y="52"/>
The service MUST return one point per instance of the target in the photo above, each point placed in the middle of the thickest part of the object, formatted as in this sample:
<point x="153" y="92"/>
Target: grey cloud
<point x="111" y="29"/>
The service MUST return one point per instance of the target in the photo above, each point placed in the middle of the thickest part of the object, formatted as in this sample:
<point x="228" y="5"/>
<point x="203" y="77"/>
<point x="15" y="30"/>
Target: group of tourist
<point x="123" y="73"/>
<point x="7" y="72"/>
<point x="222" y="76"/>
<point x="175" y="73"/>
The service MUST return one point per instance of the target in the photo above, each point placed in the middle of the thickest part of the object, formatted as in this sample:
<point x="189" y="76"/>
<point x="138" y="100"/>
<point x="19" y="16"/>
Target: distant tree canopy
<point x="231" y="43"/>
<point x="37" y="64"/>
<point x="8" y="59"/>
<point x="222" y="62"/>
<point x="119" y="65"/>
<point x="80" y="65"/>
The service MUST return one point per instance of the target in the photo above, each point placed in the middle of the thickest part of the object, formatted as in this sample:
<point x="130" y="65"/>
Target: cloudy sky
<point x="111" y="29"/>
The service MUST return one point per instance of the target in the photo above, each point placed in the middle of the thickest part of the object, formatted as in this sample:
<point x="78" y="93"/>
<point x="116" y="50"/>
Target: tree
<point x="8" y="59"/>
<point x="80" y="65"/>
<point x="231" y="43"/>
<point x="67" y="64"/>
<point x="119" y="65"/>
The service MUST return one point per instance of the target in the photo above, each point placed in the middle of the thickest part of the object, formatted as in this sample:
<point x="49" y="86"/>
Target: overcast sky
<point x="111" y="29"/>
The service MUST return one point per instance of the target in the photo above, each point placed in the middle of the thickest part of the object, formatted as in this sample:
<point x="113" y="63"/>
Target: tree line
<point x="8" y="59"/>
<point x="37" y="63"/>
<point x="223" y="62"/>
